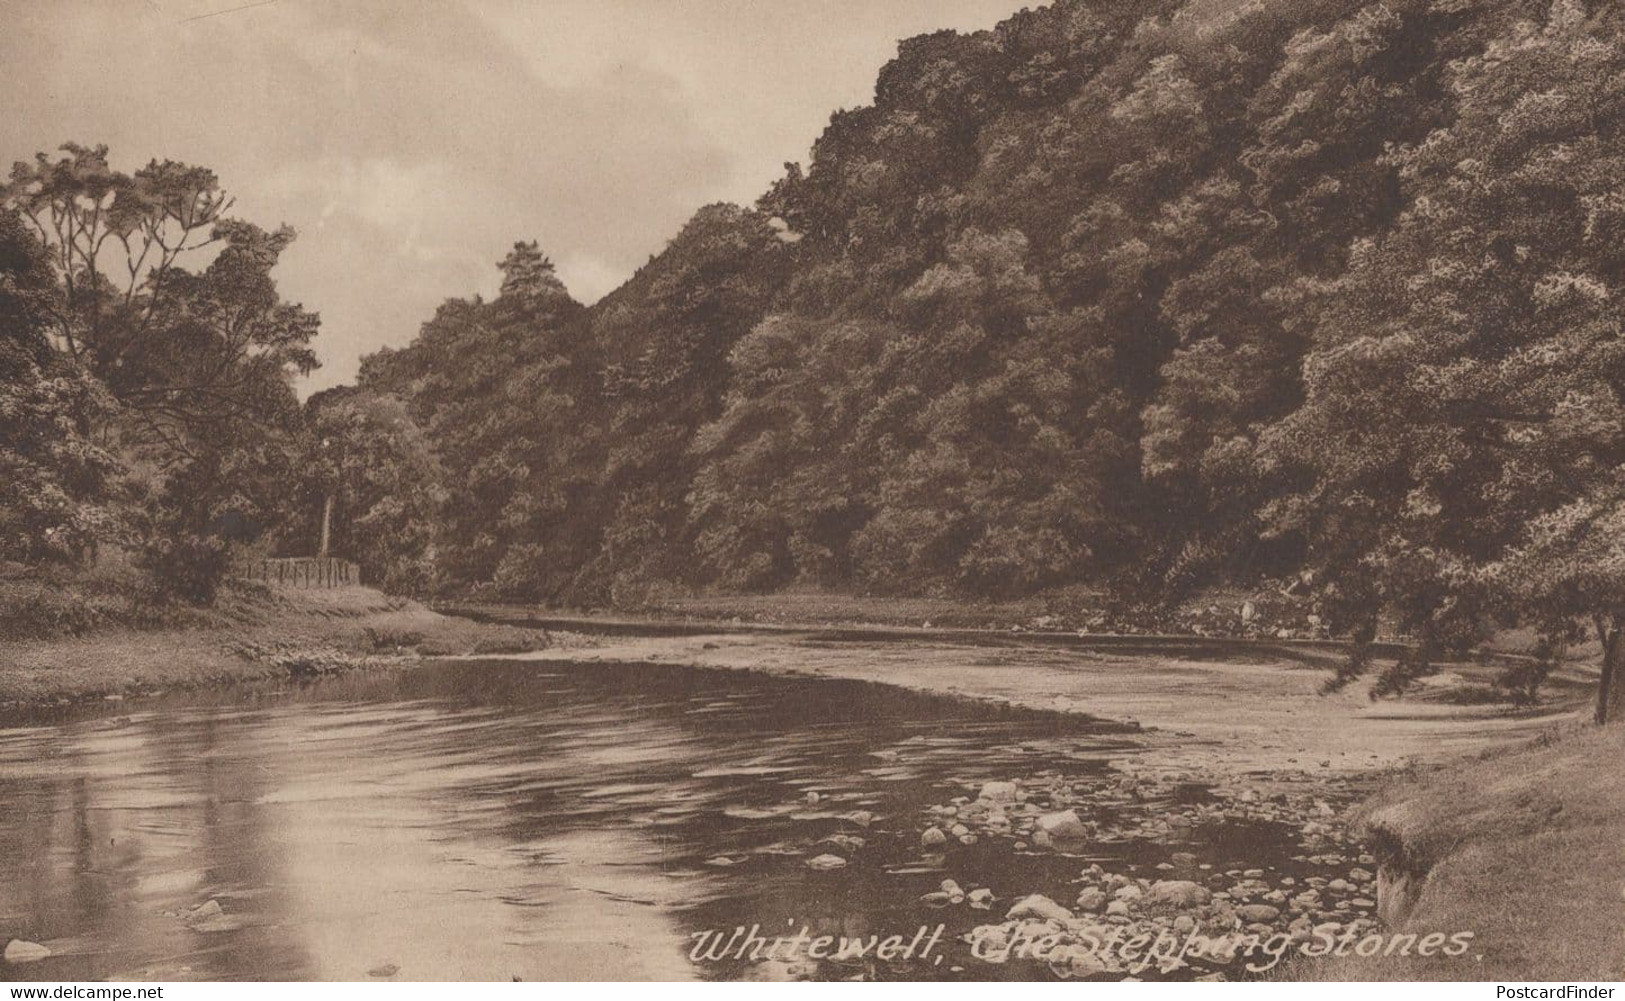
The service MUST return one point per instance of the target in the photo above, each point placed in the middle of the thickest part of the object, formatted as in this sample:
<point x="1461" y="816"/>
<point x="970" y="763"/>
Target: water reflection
<point x="493" y="820"/>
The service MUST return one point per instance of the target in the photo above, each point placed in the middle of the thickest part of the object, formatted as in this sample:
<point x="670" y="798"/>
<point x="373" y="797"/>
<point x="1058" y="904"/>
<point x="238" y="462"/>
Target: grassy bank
<point x="252" y="633"/>
<point x="1524" y="847"/>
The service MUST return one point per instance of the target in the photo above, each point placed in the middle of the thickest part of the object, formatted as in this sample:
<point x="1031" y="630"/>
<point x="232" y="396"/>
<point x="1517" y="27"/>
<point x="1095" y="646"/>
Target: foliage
<point x="1154" y="295"/>
<point x="503" y="390"/>
<point x="185" y="566"/>
<point x="146" y="364"/>
<point x="55" y="478"/>
<point x="365" y="453"/>
<point x="1465" y="391"/>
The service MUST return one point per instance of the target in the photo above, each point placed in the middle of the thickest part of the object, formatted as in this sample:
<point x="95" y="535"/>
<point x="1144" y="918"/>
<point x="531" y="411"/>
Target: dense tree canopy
<point x="1150" y="296"/>
<point x="146" y="361"/>
<point x="1464" y="417"/>
<point x="55" y="479"/>
<point x="1066" y="303"/>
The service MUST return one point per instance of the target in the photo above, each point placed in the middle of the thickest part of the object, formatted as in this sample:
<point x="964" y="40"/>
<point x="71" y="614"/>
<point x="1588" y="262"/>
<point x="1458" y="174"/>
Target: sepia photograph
<point x="1100" y="491"/>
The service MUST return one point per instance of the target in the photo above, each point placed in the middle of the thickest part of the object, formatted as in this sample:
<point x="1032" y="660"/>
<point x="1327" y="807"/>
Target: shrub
<point x="186" y="566"/>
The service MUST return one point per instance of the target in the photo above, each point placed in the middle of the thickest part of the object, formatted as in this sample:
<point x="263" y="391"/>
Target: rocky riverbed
<point x="1183" y="917"/>
<point x="1237" y="775"/>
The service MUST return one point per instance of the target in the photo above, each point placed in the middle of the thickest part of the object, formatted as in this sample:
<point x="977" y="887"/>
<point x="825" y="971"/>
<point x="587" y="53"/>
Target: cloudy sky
<point x="411" y="141"/>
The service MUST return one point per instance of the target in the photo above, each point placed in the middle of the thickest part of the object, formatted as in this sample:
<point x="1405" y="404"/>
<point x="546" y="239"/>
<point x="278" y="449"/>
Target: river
<point x="496" y="820"/>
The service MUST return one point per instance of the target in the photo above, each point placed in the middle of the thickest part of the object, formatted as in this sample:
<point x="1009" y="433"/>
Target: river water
<point x="492" y="820"/>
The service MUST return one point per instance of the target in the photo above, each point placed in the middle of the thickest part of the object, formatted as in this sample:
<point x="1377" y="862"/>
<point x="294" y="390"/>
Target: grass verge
<point x="254" y="632"/>
<point x="1524" y="847"/>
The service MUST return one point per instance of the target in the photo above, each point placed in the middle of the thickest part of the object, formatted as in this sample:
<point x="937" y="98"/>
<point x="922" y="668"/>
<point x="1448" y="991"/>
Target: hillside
<point x="1148" y="299"/>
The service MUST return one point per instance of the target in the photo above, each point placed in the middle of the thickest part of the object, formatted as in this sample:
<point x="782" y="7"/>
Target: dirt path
<point x="1260" y="712"/>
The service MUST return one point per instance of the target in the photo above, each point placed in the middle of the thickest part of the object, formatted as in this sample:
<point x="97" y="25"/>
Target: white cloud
<point x="411" y="142"/>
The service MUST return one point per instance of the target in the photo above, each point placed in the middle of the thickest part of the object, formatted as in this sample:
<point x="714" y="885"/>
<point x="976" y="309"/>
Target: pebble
<point x="22" y="951"/>
<point x="998" y="792"/>
<point x="1039" y="906"/>
<point x="824" y="862"/>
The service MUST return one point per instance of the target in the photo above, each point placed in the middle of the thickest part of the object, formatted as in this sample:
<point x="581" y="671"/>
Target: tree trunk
<point x="327" y="524"/>
<point x="1611" y="683"/>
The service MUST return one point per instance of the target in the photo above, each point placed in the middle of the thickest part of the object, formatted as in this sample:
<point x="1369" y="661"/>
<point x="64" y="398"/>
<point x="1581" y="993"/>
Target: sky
<point x="411" y="142"/>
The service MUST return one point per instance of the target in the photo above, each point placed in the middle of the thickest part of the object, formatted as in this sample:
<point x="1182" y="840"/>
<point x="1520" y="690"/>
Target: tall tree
<point x="505" y="391"/>
<point x="1464" y="421"/>
<point x="56" y="480"/>
<point x="184" y="351"/>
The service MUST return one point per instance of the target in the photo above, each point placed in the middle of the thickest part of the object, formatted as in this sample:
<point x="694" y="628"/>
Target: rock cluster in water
<point x="1187" y="900"/>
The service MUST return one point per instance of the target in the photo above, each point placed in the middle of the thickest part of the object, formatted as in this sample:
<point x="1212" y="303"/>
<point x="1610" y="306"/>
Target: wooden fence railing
<point x="302" y="571"/>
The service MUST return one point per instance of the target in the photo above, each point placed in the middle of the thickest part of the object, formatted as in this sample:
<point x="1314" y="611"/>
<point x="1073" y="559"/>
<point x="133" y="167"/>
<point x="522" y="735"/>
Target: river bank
<point x="1221" y="709"/>
<point x="1476" y="803"/>
<point x="1443" y="812"/>
<point x="1274" y="610"/>
<point x="1521" y="845"/>
<point x="254" y="634"/>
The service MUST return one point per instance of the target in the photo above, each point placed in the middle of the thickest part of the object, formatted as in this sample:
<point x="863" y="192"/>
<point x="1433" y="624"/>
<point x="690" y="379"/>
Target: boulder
<point x="1040" y="907"/>
<point x="998" y="792"/>
<point x="203" y="912"/>
<point x="1075" y="961"/>
<point x="211" y="919"/>
<point x="994" y="940"/>
<point x="1258" y="913"/>
<point x="1091" y="899"/>
<point x="1178" y="894"/>
<point x="933" y="837"/>
<point x="1063" y="826"/>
